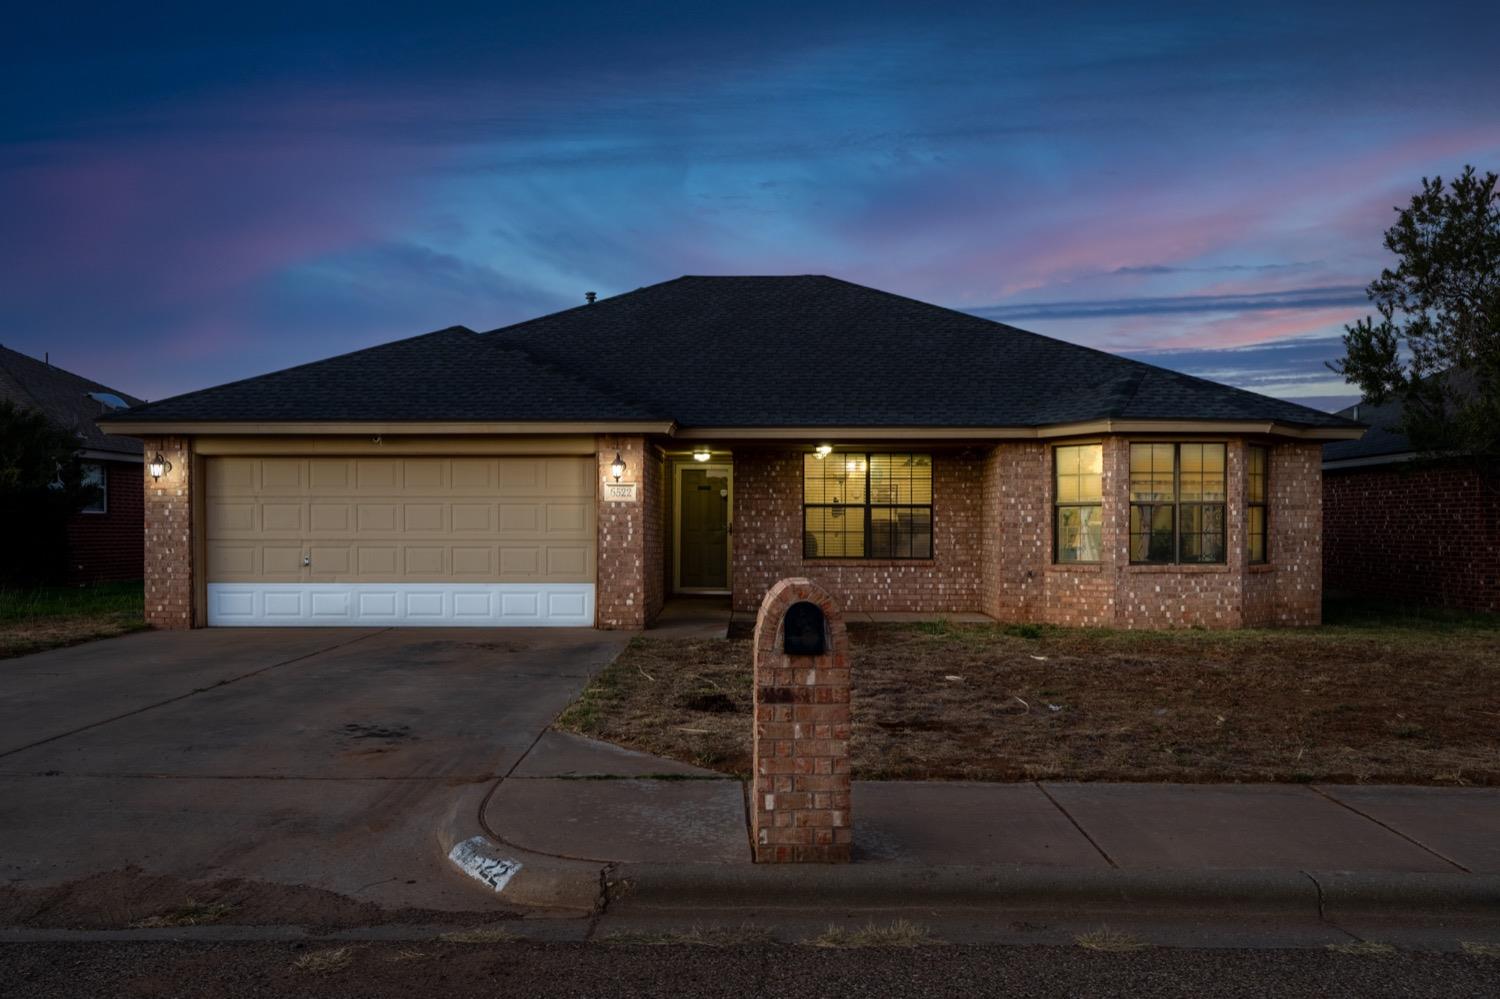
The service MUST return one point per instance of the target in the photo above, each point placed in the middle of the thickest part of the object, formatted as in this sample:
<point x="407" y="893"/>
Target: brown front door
<point x="703" y="527"/>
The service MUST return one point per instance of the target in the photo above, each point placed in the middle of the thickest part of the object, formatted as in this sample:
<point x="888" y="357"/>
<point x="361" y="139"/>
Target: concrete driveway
<point x="301" y="756"/>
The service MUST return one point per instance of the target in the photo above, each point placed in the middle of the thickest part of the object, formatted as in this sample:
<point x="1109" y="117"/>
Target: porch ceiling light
<point x="702" y="454"/>
<point x="823" y="450"/>
<point x="159" y="466"/>
<point x="617" y="467"/>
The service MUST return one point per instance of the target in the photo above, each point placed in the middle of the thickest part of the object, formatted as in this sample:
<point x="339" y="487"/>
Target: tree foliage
<point x="40" y="488"/>
<point x="1436" y="346"/>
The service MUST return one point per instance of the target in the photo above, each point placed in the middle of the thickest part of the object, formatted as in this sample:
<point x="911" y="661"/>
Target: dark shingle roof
<point x="738" y="352"/>
<point x="1382" y="439"/>
<point x="64" y="398"/>
<point x="452" y="374"/>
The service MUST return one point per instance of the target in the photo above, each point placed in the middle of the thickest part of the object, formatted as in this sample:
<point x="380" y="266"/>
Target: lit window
<point x="1258" y="473"/>
<point x="1078" y="485"/>
<point x="1177" y="496"/>
<point x="867" y="506"/>
<point x="95" y="484"/>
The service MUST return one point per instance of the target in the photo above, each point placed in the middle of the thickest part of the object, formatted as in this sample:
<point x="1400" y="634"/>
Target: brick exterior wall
<point x="169" y="536"/>
<point x="108" y="547"/>
<point x="767" y="540"/>
<point x="800" y="791"/>
<point x="630" y="589"/>
<point x="1410" y="533"/>
<point x="992" y="546"/>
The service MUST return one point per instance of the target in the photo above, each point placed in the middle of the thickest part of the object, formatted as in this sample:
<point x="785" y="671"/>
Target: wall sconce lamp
<point x="158" y="467"/>
<point x="702" y="454"/>
<point x="617" y="467"/>
<point x="823" y="451"/>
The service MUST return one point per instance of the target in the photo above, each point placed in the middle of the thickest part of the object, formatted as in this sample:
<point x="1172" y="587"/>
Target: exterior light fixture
<point x="823" y="450"/>
<point x="159" y="466"/>
<point x="702" y="454"/>
<point x="617" y="467"/>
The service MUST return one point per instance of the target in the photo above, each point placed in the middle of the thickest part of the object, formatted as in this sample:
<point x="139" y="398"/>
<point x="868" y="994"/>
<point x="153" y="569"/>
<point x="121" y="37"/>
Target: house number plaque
<point x="621" y="492"/>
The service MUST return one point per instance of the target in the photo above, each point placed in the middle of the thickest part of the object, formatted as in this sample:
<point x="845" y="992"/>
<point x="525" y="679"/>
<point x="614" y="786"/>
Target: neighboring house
<point x="712" y="435"/>
<point x="104" y="540"/>
<point x="1401" y="528"/>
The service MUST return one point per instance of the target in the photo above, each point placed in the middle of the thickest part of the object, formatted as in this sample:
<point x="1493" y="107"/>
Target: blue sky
<point x="190" y="195"/>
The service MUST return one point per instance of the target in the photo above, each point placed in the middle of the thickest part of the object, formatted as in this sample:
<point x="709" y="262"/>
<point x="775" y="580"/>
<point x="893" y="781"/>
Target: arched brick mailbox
<point x="800" y="782"/>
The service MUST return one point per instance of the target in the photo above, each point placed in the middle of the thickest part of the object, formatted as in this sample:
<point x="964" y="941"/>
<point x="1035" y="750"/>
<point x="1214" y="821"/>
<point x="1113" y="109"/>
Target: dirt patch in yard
<point x="1412" y="705"/>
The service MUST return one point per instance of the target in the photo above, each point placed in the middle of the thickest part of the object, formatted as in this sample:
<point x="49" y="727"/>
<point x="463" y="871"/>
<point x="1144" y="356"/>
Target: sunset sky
<point x="190" y="195"/>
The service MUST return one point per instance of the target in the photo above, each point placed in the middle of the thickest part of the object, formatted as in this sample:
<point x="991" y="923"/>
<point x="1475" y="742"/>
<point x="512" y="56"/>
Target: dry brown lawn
<point x="1415" y="703"/>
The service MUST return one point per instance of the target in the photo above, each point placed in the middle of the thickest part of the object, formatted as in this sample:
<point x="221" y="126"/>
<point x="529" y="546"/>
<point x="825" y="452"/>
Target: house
<point x="712" y="435"/>
<point x="104" y="539"/>
<point x="1401" y="528"/>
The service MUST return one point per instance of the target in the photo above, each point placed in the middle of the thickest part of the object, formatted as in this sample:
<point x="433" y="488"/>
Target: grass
<point x="898" y="933"/>
<point x="1110" y="941"/>
<point x="1478" y="949"/>
<point x="1407" y="697"/>
<point x="698" y="936"/>
<point x="190" y="913"/>
<point x="39" y="618"/>
<point x="325" y="962"/>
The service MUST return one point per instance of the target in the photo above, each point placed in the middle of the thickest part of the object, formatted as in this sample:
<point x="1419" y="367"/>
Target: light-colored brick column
<point x="800" y="779"/>
<point x="629" y="590"/>
<point x="169" y="535"/>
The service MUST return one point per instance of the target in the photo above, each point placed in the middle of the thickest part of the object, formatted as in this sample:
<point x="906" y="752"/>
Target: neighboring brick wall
<point x="768" y="540"/>
<point x="800" y="791"/>
<point x="168" y="544"/>
<point x="629" y="592"/>
<point x="1427" y="534"/>
<point x="109" y="547"/>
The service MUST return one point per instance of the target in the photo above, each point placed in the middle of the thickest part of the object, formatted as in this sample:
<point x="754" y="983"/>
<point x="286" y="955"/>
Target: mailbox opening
<point x="804" y="630"/>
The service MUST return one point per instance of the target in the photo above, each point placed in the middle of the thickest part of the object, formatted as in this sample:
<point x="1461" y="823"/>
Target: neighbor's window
<point x="867" y="506"/>
<point x="95" y="489"/>
<point x="1078" y="498"/>
<point x="1177" y="495"/>
<point x="1258" y="471"/>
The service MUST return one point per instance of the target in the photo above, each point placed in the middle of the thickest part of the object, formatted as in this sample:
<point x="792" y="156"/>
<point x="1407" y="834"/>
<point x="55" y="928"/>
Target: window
<point x="867" y="506"/>
<point x="1078" y="493"/>
<point x="1258" y="471"/>
<point x="1177" y="496"/>
<point x="95" y="489"/>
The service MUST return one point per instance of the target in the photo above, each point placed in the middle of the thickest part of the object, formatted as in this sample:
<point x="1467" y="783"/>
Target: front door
<point x="703" y="511"/>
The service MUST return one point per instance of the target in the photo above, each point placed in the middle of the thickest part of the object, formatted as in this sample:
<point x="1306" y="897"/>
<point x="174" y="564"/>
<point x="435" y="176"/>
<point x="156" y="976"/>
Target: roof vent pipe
<point x="589" y="297"/>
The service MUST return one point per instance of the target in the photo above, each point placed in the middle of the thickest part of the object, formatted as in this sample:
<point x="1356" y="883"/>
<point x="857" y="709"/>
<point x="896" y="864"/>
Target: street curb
<point x="889" y="886"/>
<point x="514" y="875"/>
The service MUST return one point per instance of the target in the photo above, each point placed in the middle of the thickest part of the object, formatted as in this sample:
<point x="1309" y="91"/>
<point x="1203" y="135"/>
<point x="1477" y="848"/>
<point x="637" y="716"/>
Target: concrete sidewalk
<point x="663" y="811"/>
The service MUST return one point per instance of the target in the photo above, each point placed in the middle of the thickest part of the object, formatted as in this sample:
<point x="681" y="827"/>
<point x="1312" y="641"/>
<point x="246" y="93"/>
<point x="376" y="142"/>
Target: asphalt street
<point x="526" y="970"/>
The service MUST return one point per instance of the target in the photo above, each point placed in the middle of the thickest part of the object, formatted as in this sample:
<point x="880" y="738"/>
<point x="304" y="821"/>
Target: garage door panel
<point x="400" y="540"/>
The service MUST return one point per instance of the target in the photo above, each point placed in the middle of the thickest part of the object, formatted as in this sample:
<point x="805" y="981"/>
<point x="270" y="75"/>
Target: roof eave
<point x="154" y="428"/>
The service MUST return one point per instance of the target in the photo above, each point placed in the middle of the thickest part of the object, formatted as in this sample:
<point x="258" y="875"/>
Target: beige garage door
<point x="329" y="540"/>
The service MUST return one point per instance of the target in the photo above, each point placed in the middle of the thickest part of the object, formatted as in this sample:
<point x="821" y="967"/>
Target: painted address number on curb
<point x="493" y="871"/>
<point x="620" y="492"/>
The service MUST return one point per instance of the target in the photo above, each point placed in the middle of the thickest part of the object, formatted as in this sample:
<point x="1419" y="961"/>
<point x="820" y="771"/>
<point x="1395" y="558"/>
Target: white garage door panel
<point x="400" y="604"/>
<point x="480" y="541"/>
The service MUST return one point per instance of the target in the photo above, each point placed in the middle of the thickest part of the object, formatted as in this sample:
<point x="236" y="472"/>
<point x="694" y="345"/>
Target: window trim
<point x="867" y="507"/>
<point x="1058" y="505"/>
<point x="1177" y="503"/>
<point x="103" y="489"/>
<point x="1263" y="504"/>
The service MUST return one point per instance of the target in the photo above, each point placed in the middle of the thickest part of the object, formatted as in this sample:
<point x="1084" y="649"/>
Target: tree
<point x="1436" y="347"/>
<point x="40" y="488"/>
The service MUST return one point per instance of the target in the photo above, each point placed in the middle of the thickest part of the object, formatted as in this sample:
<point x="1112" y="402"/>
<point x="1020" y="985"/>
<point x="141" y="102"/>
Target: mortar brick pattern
<point x="168" y="552"/>
<point x="107" y="547"/>
<point x="1427" y="534"/>
<point x="768" y="540"/>
<point x="629" y="591"/>
<point x="800" y="790"/>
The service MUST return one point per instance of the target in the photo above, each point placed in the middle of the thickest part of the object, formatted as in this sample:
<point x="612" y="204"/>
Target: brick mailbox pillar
<point x="800" y="776"/>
